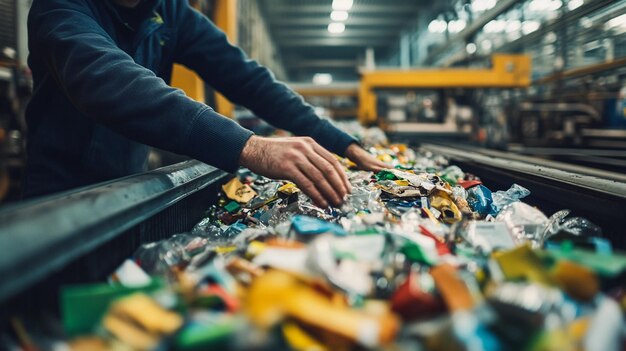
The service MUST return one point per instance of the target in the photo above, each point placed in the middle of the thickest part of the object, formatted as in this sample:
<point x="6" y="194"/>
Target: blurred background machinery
<point x="15" y="88"/>
<point x="543" y="78"/>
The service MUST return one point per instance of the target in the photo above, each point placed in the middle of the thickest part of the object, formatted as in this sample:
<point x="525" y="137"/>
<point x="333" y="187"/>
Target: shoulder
<point x="51" y="5"/>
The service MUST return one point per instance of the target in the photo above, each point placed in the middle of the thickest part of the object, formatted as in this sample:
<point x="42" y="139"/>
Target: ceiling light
<point x="529" y="26"/>
<point x="486" y="45"/>
<point x="456" y="26"/>
<point x="336" y="28"/>
<point x="495" y="26"/>
<point x="619" y="21"/>
<point x="544" y="5"/>
<point x="342" y="5"/>
<point x="513" y="26"/>
<point x="339" y="15"/>
<point x="322" y="78"/>
<point x="470" y="48"/>
<point x="437" y="26"/>
<point x="574" y="4"/>
<point x="482" y="5"/>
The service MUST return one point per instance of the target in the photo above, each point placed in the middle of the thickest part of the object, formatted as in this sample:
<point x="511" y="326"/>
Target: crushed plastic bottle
<point x="514" y="193"/>
<point x="524" y="221"/>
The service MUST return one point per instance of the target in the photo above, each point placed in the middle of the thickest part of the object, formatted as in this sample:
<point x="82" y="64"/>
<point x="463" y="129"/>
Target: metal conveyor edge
<point x="41" y="236"/>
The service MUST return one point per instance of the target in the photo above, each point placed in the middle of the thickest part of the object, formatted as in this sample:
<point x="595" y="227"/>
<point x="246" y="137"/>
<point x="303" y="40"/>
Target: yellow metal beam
<point x="508" y="71"/>
<point x="189" y="82"/>
<point x="225" y="17"/>
<point x="326" y="92"/>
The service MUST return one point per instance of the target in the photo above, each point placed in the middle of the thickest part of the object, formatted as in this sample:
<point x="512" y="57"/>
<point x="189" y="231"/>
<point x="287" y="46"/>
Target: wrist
<point x="353" y="150"/>
<point x="249" y="150"/>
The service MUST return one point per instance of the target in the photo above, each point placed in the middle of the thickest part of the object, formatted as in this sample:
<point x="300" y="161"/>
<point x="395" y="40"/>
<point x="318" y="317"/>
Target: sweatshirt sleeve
<point x="204" y="48"/>
<point x="105" y="84"/>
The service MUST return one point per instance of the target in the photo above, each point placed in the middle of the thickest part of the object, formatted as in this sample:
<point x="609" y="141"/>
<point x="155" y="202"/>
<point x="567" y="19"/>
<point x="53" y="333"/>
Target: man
<point x="100" y="69"/>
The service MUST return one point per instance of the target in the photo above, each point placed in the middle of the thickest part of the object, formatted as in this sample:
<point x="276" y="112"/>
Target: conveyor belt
<point x="606" y="159"/>
<point x="597" y="195"/>
<point x="84" y="234"/>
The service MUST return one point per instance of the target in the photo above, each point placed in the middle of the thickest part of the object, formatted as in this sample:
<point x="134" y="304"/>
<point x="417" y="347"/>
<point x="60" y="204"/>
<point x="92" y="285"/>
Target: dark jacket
<point x="101" y="93"/>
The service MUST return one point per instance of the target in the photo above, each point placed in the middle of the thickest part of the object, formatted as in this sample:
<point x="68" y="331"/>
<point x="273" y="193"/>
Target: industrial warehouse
<point x="313" y="175"/>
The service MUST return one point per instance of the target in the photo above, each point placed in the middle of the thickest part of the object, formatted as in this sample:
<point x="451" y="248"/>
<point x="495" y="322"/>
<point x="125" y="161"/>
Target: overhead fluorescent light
<point x="437" y="26"/>
<point x="322" y="78"/>
<point x="619" y="21"/>
<point x="342" y="5"/>
<point x="482" y="5"/>
<point x="470" y="48"/>
<point x="544" y="5"/>
<point x="456" y="26"/>
<point x="339" y="15"/>
<point x="513" y="26"/>
<point x="574" y="4"/>
<point x="336" y="27"/>
<point x="530" y="26"/>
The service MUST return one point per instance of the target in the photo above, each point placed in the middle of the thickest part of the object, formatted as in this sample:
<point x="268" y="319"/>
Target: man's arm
<point x="204" y="48"/>
<point x="105" y="84"/>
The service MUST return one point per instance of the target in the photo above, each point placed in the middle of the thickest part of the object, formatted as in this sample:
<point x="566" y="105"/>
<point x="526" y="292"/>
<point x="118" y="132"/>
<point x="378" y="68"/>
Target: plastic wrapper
<point x="207" y="228"/>
<point x="443" y="203"/>
<point x="417" y="180"/>
<point x="361" y="199"/>
<point x="484" y="236"/>
<point x="561" y="227"/>
<point x="159" y="258"/>
<point x="237" y="191"/>
<point x="392" y="188"/>
<point x="266" y="192"/>
<point x="191" y="244"/>
<point x="525" y="222"/>
<point x="348" y="275"/>
<point x="452" y="174"/>
<point x="503" y="198"/>
<point x="459" y="194"/>
<point x="481" y="201"/>
<point x="231" y="233"/>
<point x="306" y="226"/>
<point x="531" y="303"/>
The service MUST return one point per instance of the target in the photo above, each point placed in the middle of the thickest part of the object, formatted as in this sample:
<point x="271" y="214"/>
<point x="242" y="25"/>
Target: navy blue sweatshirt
<point x="101" y="93"/>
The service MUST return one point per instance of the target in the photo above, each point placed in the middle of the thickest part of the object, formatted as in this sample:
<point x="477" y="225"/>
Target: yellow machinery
<point x="225" y="17"/>
<point x="507" y="71"/>
<point x="339" y="99"/>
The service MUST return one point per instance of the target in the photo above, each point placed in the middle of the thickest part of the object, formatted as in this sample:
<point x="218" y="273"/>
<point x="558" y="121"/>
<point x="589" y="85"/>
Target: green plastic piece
<point x="197" y="336"/>
<point x="415" y="253"/>
<point x="232" y="207"/>
<point x="368" y="231"/>
<point x="449" y="178"/>
<point x="385" y="175"/>
<point x="604" y="264"/>
<point x="83" y="306"/>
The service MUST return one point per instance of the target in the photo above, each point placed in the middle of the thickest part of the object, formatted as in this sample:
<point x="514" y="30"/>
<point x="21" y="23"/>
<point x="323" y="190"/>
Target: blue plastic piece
<point x="481" y="200"/>
<point x="306" y="225"/>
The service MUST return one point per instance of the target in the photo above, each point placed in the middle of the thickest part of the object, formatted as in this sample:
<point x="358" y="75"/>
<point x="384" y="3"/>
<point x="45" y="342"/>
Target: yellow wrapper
<point x="237" y="191"/>
<point x="289" y="189"/>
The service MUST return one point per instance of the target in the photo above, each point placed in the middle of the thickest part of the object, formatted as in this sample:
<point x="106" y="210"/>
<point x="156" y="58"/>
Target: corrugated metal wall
<point x="7" y="24"/>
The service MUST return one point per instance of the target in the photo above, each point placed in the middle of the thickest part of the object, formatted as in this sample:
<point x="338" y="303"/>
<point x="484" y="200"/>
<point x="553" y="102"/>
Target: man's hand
<point x="301" y="160"/>
<point x="364" y="160"/>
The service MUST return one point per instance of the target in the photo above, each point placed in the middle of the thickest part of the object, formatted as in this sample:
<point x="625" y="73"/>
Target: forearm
<point x="105" y="84"/>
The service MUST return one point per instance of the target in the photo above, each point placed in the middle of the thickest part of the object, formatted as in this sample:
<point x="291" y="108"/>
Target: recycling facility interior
<point x="515" y="91"/>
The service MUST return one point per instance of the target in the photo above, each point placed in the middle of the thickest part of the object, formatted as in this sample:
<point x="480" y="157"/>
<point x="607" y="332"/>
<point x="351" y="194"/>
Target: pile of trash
<point x="421" y="256"/>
